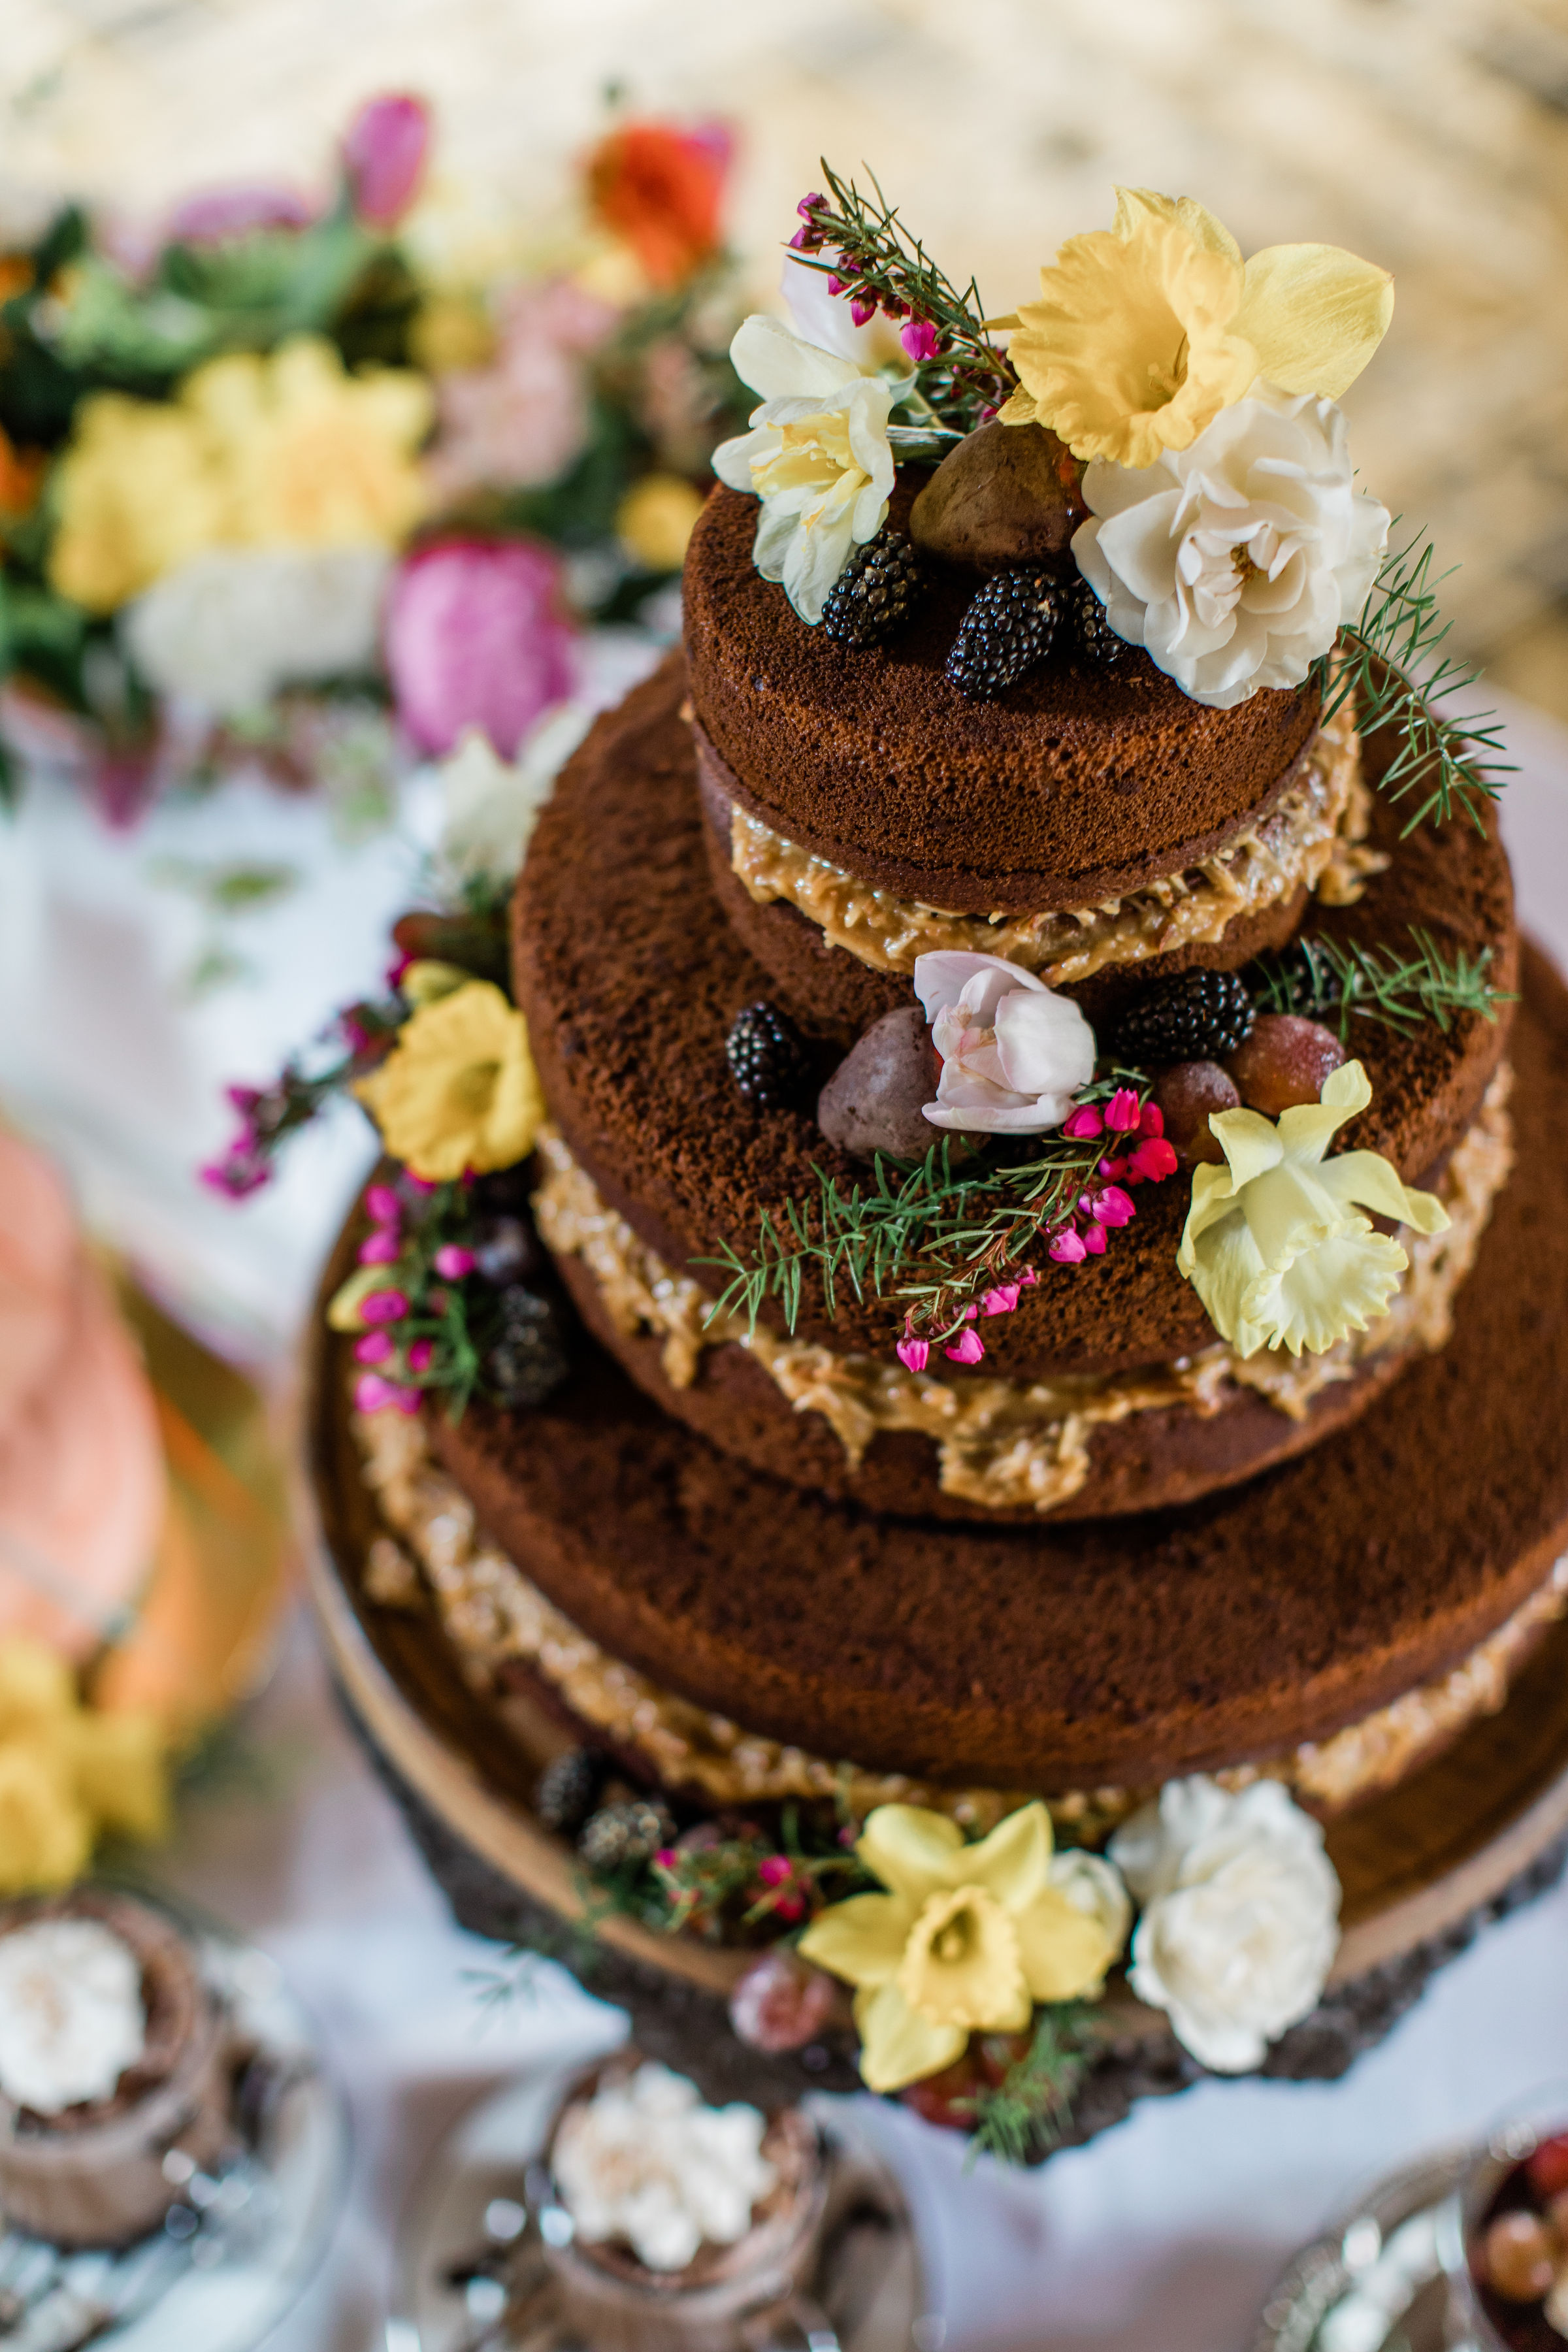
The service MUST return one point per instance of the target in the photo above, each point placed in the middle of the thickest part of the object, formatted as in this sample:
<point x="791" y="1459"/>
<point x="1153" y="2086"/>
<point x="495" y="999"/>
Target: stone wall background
<point x="1432" y="134"/>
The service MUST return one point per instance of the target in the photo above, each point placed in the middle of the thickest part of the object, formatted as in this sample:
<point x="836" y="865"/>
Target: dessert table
<point x="1169" y="2229"/>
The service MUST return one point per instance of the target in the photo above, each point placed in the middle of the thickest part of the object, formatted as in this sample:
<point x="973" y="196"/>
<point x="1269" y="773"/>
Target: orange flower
<point x="661" y="190"/>
<point x="21" y="473"/>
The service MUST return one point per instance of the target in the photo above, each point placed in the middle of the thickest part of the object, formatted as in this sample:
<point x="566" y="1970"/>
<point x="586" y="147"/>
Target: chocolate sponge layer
<point x="1117" y="1652"/>
<point x="630" y="977"/>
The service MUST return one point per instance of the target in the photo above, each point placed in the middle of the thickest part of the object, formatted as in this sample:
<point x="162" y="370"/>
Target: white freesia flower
<point x="228" y="628"/>
<point x="1013" y="1053"/>
<point x="1234" y="562"/>
<point x="1240" y="1916"/>
<point x="492" y="804"/>
<point x="1094" y="1887"/>
<point x="1276" y="1245"/>
<point x="817" y="455"/>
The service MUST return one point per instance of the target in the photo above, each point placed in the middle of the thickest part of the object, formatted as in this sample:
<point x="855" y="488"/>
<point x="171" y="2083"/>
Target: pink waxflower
<point x="383" y="153"/>
<point x="1094" y="1238"/>
<point x="1154" y="1159"/>
<point x="835" y="285"/>
<point x="968" y="1349"/>
<point x="375" y="1347"/>
<point x="373" y="1394"/>
<point x="1112" y="1206"/>
<point x="1152" y="1118"/>
<point x="775" y="1869"/>
<point x="421" y="1355"/>
<point x="913" y="1354"/>
<point x="1114" y="1167"/>
<point x="1121" y="1112"/>
<point x="452" y="1261"/>
<point x="1028" y="1278"/>
<point x="1001" y="1300"/>
<point x="381" y="1248"/>
<point x="1067" y="1248"/>
<point x="241" y="1171"/>
<point x="383" y="1205"/>
<point x="919" y="340"/>
<point x="1083" y="1124"/>
<point x="862" y="310"/>
<point x="384" y="1306"/>
<point x="811" y="204"/>
<point x="476" y="635"/>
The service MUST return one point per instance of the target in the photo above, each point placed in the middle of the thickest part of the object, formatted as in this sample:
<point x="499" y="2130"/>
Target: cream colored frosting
<point x="492" y="1612"/>
<point x="645" y="2161"/>
<point x="1011" y="1444"/>
<point x="1315" y="835"/>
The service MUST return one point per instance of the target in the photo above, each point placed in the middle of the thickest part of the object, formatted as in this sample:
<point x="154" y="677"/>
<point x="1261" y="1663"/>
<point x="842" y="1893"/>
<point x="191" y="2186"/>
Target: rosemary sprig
<point x="1389" y="660"/>
<point x="1028" y="2110"/>
<point x="1398" y="989"/>
<point x="877" y="261"/>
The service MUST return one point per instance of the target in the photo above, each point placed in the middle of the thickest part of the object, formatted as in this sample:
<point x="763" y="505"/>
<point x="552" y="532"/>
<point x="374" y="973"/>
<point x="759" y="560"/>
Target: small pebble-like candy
<point x="1187" y="1094"/>
<point x="1547" y="2168"/>
<point x="1284" y="1062"/>
<point x="1520" y="2255"/>
<point x="780" y="2003"/>
<point x="873" y="1102"/>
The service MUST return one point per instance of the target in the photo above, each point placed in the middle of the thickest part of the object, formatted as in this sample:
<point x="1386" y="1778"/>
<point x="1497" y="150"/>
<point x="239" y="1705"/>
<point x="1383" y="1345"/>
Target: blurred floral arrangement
<point x="284" y="482"/>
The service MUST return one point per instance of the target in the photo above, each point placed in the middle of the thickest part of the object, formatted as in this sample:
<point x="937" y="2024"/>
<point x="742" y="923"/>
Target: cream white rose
<point x="817" y="455"/>
<point x="1240" y="1916"/>
<point x="1234" y="562"/>
<point x="1013" y="1053"/>
<point x="228" y="628"/>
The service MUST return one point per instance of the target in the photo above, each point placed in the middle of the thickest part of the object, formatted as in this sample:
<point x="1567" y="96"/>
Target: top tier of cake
<point x="1085" y="782"/>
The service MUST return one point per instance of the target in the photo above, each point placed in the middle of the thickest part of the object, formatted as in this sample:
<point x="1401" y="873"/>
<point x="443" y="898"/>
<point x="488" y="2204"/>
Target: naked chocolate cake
<point x="973" y="1306"/>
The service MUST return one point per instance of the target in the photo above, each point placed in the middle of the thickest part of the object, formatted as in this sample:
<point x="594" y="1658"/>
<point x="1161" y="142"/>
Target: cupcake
<point x="112" y="2063"/>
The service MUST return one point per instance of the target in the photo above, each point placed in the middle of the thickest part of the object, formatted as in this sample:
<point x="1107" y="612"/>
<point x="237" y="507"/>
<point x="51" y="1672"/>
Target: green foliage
<point x="1026" y="2115"/>
<point x="711" y="1887"/>
<point x="1400" y="991"/>
<point x="1390" y="661"/>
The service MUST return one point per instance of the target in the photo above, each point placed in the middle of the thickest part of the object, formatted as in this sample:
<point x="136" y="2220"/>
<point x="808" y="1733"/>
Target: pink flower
<point x="789" y="1908"/>
<point x="422" y="1184"/>
<point x="801" y="241"/>
<point x="476" y="637"/>
<point x="919" y="340"/>
<point x="811" y="204"/>
<point x="374" y="1347"/>
<point x="968" y="1349"/>
<point x="452" y="1262"/>
<point x="1067" y="1248"/>
<point x="383" y="1205"/>
<point x="1121" y="1112"/>
<point x="383" y="155"/>
<point x="522" y="419"/>
<point x="1083" y="1124"/>
<point x="1094" y="1238"/>
<point x="215" y="216"/>
<point x="1151" y="1120"/>
<point x="836" y="286"/>
<point x="1114" y="1167"/>
<point x="240" y="1170"/>
<point x="1153" y="1159"/>
<point x="1112" y="1206"/>
<point x="913" y="1354"/>
<point x="775" y="1869"/>
<point x="384" y="1306"/>
<point x="1028" y="1278"/>
<point x="1000" y="1301"/>
<point x="373" y="1394"/>
<point x="1014" y="1052"/>
<point x="862" y="311"/>
<point x="421" y="1355"/>
<point x="381" y="1248"/>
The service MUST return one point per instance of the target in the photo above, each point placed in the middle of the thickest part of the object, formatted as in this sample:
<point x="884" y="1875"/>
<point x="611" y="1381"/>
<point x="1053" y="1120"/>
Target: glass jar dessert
<point x="1512" y="2288"/>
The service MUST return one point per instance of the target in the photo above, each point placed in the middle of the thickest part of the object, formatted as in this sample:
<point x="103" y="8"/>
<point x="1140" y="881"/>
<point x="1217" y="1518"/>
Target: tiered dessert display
<point x="1044" y="1382"/>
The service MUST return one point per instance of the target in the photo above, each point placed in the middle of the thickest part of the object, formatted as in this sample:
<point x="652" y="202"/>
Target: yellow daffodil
<point x="283" y="450"/>
<point x="458" y="1089"/>
<point x="1145" y="331"/>
<point x="655" y="518"/>
<point x="68" y="1771"/>
<point x="1275" y="1245"/>
<point x="967" y="1939"/>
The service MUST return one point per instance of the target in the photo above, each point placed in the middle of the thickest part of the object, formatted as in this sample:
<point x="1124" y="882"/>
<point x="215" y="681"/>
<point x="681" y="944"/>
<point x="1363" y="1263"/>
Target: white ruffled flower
<point x="1094" y="1887"/>
<point x="817" y="455"/>
<point x="1234" y="562"/>
<point x="1013" y="1053"/>
<point x="492" y="804"/>
<point x="226" y="630"/>
<point x="1240" y="1916"/>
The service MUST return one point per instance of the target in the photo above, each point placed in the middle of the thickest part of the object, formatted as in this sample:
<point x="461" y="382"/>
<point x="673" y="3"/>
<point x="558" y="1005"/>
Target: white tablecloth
<point x="1164" y="2234"/>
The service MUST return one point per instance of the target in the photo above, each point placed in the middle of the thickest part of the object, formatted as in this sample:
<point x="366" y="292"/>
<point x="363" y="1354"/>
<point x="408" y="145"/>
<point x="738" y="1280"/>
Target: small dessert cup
<point x="745" y="2297"/>
<point x="1510" y="2280"/>
<point x="102" y="2173"/>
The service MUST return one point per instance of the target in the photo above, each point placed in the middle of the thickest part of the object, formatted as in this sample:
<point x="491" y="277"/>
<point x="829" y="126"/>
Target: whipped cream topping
<point x="645" y="2162"/>
<point x="71" y="2014"/>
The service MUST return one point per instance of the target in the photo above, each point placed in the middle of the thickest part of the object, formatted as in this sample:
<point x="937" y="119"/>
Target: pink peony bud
<point x="1083" y="1123"/>
<point x="383" y="155"/>
<point x="913" y="1354"/>
<point x="780" y="2003"/>
<point x="452" y="1262"/>
<point x="1112" y="1206"/>
<point x="1094" y="1238"/>
<point x="967" y="1348"/>
<point x="476" y="636"/>
<point x="1067" y="1248"/>
<point x="421" y="1355"/>
<point x="383" y="1205"/>
<point x="374" y="1347"/>
<point x="1121" y="1112"/>
<point x="1154" y="1158"/>
<point x="919" y="340"/>
<point x="381" y="1248"/>
<point x="384" y="1306"/>
<point x="1151" y="1119"/>
<point x="1000" y="1301"/>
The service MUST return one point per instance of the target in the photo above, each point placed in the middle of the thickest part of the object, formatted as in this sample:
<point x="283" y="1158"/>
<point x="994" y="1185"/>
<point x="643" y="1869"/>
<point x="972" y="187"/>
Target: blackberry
<point x="1095" y="636"/>
<point x="875" y="593"/>
<point x="766" y="1057"/>
<point x="528" y="1361"/>
<point x="618" y="1836"/>
<point x="568" y="1790"/>
<point x="1007" y="630"/>
<point x="1199" y="1017"/>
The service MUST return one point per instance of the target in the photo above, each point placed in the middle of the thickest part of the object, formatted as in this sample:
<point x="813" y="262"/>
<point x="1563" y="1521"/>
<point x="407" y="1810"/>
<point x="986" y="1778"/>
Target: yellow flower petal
<point x="36" y="1687"/>
<point x="961" y="1964"/>
<point x="46" y="1836"/>
<point x="898" y="2046"/>
<point x="1366" y="1177"/>
<point x="1014" y="1862"/>
<point x="122" y="1771"/>
<point x="909" y="1848"/>
<point x="426" y="979"/>
<point x="1314" y="314"/>
<point x="458" y="1090"/>
<point x="1251" y="1143"/>
<point x="1063" y="1950"/>
<point x="861" y="1940"/>
<point x="1306" y="1129"/>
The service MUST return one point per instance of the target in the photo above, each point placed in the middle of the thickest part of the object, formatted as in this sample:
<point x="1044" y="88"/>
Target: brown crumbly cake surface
<point x="1121" y="1651"/>
<point x="630" y="977"/>
<point x="1081" y="782"/>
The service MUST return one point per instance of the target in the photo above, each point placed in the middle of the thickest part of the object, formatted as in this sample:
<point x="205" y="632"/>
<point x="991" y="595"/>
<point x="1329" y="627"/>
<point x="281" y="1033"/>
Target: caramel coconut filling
<point x="494" y="1615"/>
<point x="1315" y="836"/>
<point x="1014" y="1444"/>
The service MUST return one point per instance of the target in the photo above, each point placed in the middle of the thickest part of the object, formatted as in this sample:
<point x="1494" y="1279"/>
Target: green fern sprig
<point x="1029" y="2109"/>
<point x="1390" y="660"/>
<point x="1400" y="991"/>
